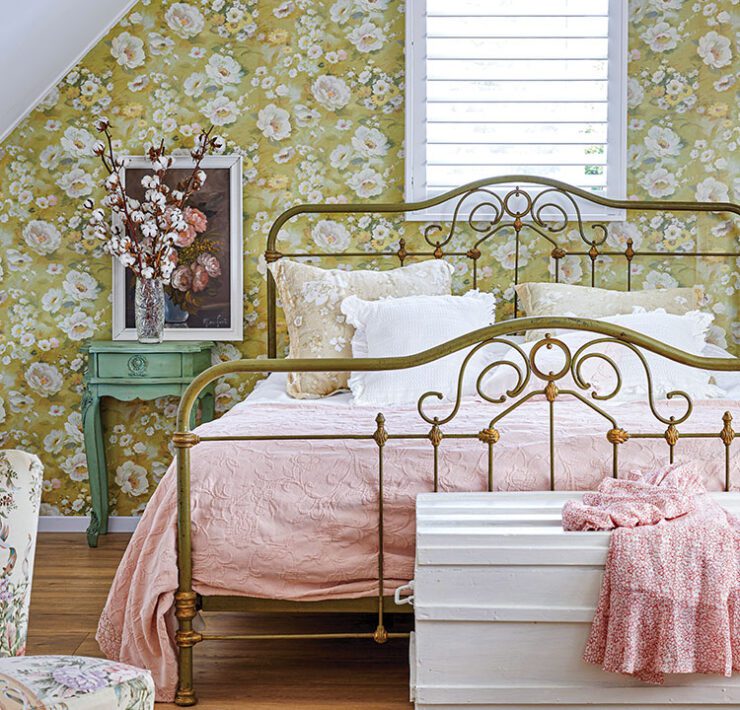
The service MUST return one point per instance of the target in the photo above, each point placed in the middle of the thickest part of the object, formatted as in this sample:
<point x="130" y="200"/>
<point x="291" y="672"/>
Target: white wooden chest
<point x="503" y="600"/>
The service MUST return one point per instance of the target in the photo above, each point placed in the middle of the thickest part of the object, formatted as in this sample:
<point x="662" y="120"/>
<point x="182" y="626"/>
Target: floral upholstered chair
<point x="21" y="475"/>
<point x="73" y="683"/>
<point x="46" y="682"/>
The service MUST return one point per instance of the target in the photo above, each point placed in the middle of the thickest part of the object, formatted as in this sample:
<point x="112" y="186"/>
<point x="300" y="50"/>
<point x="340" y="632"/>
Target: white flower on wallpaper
<point x="224" y="69"/>
<point x="132" y="478"/>
<point x="712" y="190"/>
<point x="329" y="235"/>
<point x="367" y="183"/>
<point x="274" y="122"/>
<point x="661" y="37"/>
<point x="42" y="236"/>
<point x="80" y="285"/>
<point x="186" y="20"/>
<point x="370" y="142"/>
<point x="76" y="183"/>
<point x="620" y="232"/>
<point x="663" y="142"/>
<point x="78" y="141"/>
<point x="44" y="379"/>
<point x="221" y="111"/>
<point x="128" y="50"/>
<point x="76" y="466"/>
<point x="367" y="37"/>
<point x="331" y="92"/>
<point x="659" y="183"/>
<point x="78" y="326"/>
<point x="715" y="50"/>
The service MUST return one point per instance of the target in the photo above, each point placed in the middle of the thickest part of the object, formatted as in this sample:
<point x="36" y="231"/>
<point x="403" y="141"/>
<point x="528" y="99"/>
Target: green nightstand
<point x="127" y="370"/>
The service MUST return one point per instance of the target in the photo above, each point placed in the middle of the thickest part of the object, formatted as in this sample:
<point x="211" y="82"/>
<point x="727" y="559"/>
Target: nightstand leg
<point x="92" y="427"/>
<point x="208" y="406"/>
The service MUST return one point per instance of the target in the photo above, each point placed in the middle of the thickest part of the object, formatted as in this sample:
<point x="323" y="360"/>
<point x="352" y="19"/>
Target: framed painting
<point x="204" y="298"/>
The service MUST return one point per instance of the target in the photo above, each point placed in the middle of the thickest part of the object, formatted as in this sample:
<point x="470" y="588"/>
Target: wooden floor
<point x="70" y="586"/>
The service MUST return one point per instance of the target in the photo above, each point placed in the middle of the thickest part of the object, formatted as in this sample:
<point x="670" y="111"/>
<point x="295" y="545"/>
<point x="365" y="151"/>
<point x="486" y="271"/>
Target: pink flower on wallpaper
<point x="211" y="264"/>
<point x="182" y="278"/>
<point x="200" y="277"/>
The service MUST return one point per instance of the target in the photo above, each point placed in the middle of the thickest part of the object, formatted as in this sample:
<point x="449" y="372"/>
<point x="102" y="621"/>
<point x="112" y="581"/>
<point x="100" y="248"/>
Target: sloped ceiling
<point x="40" y="40"/>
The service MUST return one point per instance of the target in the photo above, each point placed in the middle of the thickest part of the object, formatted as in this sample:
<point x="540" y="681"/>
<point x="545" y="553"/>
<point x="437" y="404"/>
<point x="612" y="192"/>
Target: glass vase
<point x="149" y="310"/>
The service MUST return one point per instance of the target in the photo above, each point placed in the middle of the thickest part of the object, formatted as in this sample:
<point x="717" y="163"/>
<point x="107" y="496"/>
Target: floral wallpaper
<point x="311" y="94"/>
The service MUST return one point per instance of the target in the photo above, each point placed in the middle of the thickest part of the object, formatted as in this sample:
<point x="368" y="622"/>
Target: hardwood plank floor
<point x="70" y="587"/>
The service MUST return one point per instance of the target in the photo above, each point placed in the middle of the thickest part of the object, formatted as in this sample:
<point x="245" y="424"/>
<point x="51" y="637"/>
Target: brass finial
<point x="438" y="253"/>
<point x="558" y="253"/>
<point x="489" y="436"/>
<point x="551" y="391"/>
<point x="593" y="252"/>
<point x="381" y="634"/>
<point x="435" y="435"/>
<point x="671" y="435"/>
<point x="402" y="253"/>
<point x="473" y="253"/>
<point x="617" y="436"/>
<point x="727" y="434"/>
<point x="381" y="435"/>
<point x="629" y="252"/>
<point x="271" y="255"/>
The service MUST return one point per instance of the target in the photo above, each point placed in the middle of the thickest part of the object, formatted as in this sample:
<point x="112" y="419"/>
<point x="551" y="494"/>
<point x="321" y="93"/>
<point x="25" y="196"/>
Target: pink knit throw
<point x="670" y="598"/>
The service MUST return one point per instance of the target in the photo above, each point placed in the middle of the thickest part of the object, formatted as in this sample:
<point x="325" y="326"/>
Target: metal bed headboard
<point x="488" y="207"/>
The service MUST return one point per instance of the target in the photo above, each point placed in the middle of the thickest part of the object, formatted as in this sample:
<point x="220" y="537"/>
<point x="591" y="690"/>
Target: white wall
<point x="40" y="40"/>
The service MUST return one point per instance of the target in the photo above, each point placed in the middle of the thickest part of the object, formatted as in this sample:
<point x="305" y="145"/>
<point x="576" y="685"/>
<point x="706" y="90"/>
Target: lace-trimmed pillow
<point x="553" y="299"/>
<point x="311" y="298"/>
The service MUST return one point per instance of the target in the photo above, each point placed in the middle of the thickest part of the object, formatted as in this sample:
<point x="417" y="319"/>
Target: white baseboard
<point x="79" y="523"/>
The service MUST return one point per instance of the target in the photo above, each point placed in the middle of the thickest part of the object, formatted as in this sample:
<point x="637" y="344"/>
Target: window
<point x="516" y="87"/>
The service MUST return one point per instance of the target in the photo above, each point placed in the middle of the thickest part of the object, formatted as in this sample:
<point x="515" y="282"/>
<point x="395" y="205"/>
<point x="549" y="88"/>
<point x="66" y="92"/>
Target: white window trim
<point x="416" y="121"/>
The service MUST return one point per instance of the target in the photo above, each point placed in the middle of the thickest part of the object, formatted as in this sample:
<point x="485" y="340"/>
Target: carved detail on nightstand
<point x="137" y="365"/>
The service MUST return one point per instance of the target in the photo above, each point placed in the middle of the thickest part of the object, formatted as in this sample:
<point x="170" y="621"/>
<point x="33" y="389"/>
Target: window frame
<point x="415" y="119"/>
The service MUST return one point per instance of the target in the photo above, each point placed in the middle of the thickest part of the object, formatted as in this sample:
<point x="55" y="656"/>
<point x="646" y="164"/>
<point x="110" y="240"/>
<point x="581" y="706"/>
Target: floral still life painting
<point x="199" y="296"/>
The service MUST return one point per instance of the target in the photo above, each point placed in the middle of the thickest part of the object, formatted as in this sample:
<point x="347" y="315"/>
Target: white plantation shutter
<point x="502" y="87"/>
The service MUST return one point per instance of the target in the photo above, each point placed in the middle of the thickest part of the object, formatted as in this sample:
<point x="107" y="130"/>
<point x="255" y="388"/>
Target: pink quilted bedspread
<point x="298" y="519"/>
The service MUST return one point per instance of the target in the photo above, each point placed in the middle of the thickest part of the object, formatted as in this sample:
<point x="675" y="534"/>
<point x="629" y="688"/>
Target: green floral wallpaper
<point x="310" y="92"/>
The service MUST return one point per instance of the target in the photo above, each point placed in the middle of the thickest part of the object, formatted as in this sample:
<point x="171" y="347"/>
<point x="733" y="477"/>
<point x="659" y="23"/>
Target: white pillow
<point x="728" y="382"/>
<point x="403" y="326"/>
<point x="687" y="332"/>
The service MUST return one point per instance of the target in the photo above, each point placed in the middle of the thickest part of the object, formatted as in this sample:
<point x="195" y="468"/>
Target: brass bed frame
<point x="487" y="207"/>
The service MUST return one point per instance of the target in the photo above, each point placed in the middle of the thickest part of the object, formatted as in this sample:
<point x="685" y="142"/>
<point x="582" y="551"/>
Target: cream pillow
<point x="553" y="299"/>
<point x="311" y="298"/>
<point x="394" y="327"/>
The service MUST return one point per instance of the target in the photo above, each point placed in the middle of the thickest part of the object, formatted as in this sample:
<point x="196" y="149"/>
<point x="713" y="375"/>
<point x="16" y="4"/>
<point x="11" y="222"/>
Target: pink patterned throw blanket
<point x="670" y="599"/>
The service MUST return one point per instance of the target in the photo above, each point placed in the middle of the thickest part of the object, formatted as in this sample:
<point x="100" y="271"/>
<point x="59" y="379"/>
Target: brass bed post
<point x="185" y="597"/>
<point x="381" y="438"/>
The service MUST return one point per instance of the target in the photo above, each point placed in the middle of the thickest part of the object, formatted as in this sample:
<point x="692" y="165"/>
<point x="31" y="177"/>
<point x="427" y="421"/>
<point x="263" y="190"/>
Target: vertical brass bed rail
<point x="187" y="599"/>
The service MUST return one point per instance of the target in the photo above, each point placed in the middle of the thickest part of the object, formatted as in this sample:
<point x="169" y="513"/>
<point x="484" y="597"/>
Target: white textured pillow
<point x="404" y="326"/>
<point x="311" y="297"/>
<point x="687" y="332"/>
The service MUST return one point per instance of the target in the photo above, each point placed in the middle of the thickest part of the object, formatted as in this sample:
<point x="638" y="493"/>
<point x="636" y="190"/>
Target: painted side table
<point x="128" y="370"/>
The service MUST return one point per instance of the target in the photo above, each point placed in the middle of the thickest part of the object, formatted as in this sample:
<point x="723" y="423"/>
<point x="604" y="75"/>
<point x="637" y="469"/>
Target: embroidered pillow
<point x="553" y="299"/>
<point x="311" y="298"/>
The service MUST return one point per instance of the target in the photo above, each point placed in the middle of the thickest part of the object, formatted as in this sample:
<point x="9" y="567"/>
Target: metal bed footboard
<point x="617" y="434"/>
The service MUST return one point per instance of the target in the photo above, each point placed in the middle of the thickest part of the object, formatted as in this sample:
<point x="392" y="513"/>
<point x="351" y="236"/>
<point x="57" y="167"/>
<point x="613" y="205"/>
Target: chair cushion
<point x="73" y="683"/>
